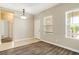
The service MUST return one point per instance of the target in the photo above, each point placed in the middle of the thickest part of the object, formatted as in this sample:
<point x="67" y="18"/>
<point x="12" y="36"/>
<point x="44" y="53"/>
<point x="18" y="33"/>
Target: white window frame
<point x="66" y="34"/>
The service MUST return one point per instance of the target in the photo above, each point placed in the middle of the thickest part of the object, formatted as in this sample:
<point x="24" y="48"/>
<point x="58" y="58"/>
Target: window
<point x="72" y="24"/>
<point x="48" y="24"/>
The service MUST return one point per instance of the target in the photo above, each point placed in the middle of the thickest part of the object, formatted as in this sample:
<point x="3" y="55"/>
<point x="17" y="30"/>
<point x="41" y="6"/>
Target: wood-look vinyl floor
<point x="38" y="48"/>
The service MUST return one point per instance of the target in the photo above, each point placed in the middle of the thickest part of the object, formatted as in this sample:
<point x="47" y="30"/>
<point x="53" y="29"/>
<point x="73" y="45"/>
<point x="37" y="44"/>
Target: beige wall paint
<point x="58" y="36"/>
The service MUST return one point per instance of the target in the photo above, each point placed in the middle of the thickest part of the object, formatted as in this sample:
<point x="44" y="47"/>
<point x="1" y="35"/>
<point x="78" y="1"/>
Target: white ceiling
<point x="32" y="8"/>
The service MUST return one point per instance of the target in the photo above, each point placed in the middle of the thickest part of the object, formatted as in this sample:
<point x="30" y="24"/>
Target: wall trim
<point x="17" y="40"/>
<point x="61" y="45"/>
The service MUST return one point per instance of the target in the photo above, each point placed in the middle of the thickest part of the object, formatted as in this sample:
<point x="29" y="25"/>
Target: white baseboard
<point x="61" y="46"/>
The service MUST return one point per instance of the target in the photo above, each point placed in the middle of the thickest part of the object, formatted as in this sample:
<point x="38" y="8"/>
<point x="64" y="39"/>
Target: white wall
<point x="36" y="28"/>
<point x="23" y="28"/>
<point x="4" y="28"/>
<point x="1" y="28"/>
<point x="58" y="36"/>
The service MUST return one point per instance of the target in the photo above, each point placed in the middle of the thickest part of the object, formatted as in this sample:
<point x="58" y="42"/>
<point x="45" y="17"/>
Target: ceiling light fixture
<point x="23" y="16"/>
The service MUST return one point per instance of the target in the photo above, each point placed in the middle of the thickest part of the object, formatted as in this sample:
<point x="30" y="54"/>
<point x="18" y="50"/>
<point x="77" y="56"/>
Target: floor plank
<point x="38" y="48"/>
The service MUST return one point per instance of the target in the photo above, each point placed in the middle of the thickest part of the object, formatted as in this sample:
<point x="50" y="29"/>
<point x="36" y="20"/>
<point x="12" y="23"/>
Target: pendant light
<point x="23" y="15"/>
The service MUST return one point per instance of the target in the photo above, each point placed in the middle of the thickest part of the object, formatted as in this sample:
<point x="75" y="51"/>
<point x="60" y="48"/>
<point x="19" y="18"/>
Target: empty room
<point x="39" y="28"/>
